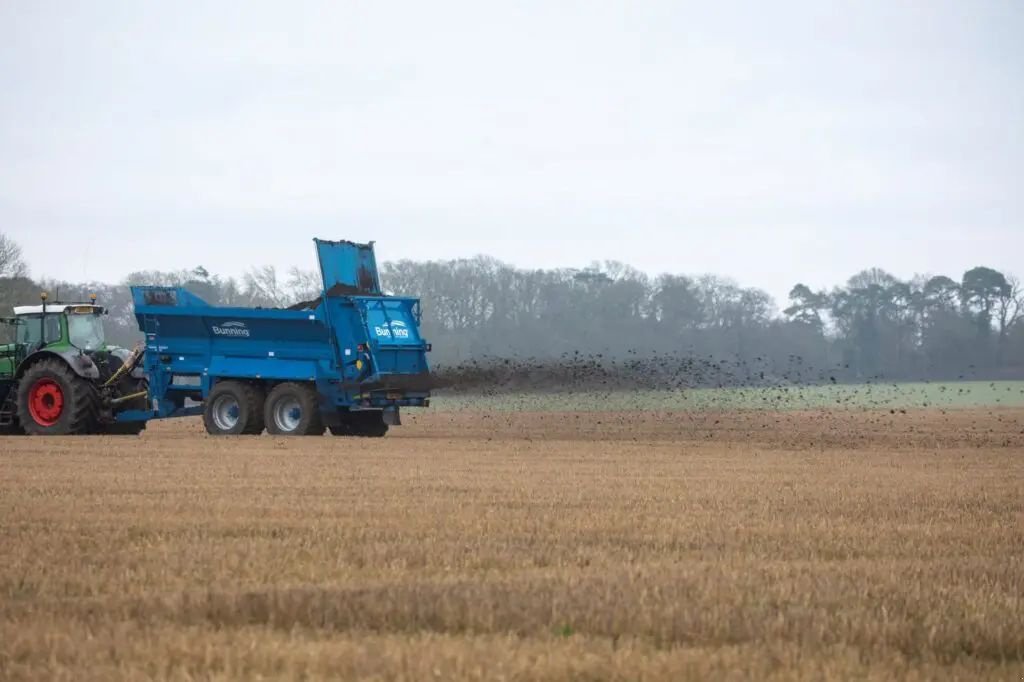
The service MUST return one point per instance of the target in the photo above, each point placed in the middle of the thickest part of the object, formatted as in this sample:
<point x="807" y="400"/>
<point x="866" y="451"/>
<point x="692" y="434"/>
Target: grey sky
<point x="772" y="142"/>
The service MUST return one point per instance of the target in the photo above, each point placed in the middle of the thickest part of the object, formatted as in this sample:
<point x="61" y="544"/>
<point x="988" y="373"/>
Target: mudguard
<point x="80" y="363"/>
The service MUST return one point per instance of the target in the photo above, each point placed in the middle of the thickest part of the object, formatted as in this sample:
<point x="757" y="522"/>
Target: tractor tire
<point x="293" y="409"/>
<point x="234" y="408"/>
<point x="54" y="401"/>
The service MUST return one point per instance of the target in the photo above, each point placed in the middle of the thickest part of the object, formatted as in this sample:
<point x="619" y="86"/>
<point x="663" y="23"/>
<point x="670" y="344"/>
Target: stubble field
<point x="513" y="545"/>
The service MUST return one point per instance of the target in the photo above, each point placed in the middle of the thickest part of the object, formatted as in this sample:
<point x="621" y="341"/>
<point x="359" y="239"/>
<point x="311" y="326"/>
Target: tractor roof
<point x="54" y="308"/>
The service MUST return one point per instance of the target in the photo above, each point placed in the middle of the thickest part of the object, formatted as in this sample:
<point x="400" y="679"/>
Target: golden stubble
<point x="523" y="546"/>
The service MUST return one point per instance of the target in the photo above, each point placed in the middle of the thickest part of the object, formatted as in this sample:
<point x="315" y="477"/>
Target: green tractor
<point x="59" y="377"/>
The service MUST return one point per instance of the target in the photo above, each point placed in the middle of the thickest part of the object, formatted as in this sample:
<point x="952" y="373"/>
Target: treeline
<point x="875" y="326"/>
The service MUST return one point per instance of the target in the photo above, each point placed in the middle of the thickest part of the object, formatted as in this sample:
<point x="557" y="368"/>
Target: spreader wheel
<point x="54" y="401"/>
<point x="234" y="408"/>
<point x="292" y="409"/>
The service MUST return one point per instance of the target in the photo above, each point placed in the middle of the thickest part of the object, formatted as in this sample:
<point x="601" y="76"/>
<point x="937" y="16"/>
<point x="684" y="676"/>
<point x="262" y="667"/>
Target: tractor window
<point x="85" y="331"/>
<point x="28" y="331"/>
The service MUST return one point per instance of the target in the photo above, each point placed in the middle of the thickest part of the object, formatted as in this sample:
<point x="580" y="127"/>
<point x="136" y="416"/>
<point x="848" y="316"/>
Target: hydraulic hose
<point x="127" y="367"/>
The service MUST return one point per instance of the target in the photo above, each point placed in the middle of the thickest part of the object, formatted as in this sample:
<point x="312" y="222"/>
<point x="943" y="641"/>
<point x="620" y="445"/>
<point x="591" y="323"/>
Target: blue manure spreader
<point x="347" y="362"/>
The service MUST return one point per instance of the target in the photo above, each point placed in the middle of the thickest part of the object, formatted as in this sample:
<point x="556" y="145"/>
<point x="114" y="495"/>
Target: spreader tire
<point x="292" y="409"/>
<point x="233" y="408"/>
<point x="54" y="401"/>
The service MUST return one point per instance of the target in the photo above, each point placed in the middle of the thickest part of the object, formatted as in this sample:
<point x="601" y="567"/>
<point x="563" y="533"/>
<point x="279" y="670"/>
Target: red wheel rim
<point x="46" y="402"/>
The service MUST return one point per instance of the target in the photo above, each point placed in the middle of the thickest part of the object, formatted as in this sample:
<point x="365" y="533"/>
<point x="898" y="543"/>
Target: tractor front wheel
<point x="54" y="401"/>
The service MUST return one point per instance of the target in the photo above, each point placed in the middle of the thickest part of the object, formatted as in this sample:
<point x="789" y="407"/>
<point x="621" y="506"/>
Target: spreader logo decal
<point x="394" y="329"/>
<point x="237" y="329"/>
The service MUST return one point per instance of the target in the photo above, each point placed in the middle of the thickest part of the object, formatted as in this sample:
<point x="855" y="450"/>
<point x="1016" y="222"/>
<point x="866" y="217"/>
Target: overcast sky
<point x="772" y="142"/>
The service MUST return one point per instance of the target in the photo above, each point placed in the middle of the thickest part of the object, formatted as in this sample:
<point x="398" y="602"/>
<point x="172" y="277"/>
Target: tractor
<point x="59" y="377"/>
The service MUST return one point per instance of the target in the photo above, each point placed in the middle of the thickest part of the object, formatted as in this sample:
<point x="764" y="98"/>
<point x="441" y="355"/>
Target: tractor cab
<point x="77" y="325"/>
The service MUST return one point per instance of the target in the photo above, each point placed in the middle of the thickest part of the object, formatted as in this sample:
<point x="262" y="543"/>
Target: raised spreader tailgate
<point x="396" y="351"/>
<point x="347" y="268"/>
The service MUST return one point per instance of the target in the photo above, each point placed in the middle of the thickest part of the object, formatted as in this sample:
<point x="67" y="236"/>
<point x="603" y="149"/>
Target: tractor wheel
<point x="54" y="401"/>
<point x="234" y="408"/>
<point x="293" y="410"/>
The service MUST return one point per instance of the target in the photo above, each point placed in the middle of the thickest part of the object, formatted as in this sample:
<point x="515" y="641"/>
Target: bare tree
<point x="12" y="264"/>
<point x="262" y="287"/>
<point x="303" y="285"/>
